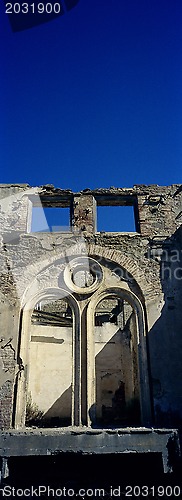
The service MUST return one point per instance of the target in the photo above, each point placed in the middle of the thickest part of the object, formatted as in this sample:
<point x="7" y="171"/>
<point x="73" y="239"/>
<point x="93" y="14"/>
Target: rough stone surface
<point x="141" y="270"/>
<point x="53" y="442"/>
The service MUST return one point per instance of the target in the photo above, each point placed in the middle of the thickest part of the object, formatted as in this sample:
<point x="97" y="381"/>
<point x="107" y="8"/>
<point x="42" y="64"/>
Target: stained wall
<point x="150" y="270"/>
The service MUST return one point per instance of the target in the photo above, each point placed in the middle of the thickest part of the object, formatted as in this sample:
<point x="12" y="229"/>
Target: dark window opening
<point x="114" y="310"/>
<point x="50" y="219"/>
<point x="116" y="219"/>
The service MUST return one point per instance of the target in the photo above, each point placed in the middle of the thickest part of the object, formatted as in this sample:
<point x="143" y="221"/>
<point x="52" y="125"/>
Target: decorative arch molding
<point x="145" y="400"/>
<point x="145" y="283"/>
<point x="131" y="266"/>
<point x="38" y="290"/>
<point x="20" y="403"/>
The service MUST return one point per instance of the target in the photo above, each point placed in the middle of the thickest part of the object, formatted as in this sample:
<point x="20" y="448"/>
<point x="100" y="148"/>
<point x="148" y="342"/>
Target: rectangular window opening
<point x="50" y="219"/>
<point x="116" y="219"/>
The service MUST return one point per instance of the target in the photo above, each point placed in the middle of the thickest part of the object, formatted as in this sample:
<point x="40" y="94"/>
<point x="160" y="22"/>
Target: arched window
<point x="116" y="363"/>
<point x="49" y="384"/>
<point x="118" y="391"/>
<point x="48" y="388"/>
<point x="83" y="353"/>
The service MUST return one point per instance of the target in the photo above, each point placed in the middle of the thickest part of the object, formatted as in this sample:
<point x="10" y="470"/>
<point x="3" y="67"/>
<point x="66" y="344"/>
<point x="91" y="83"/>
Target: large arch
<point x="131" y="298"/>
<point x="84" y="390"/>
<point x="21" y="384"/>
<point x="131" y="265"/>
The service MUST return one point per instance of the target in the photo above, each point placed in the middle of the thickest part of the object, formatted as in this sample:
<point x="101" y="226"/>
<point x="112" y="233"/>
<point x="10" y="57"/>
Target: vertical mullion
<point x="76" y="389"/>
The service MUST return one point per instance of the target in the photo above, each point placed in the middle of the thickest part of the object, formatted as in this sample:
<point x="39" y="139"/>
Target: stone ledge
<point x="32" y="442"/>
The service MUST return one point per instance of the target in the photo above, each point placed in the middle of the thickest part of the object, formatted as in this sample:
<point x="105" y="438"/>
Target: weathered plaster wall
<point x="152" y="257"/>
<point x="50" y="373"/>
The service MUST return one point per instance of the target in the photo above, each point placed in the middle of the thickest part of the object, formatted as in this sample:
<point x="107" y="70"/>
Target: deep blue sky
<point x="94" y="98"/>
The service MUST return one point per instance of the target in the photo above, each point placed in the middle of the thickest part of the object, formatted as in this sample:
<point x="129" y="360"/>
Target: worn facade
<point x="91" y="324"/>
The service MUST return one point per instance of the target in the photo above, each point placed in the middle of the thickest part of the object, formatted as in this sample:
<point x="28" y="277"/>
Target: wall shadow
<point x="165" y="337"/>
<point x="52" y="416"/>
<point x="119" y="412"/>
<point x="116" y="410"/>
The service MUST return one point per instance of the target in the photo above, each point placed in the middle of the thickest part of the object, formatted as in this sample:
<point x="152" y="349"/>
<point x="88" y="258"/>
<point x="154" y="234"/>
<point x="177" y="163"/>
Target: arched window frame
<point x="145" y="400"/>
<point x="21" y="391"/>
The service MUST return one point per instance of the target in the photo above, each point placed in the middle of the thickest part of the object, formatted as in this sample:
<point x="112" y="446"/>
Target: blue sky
<point x="94" y="98"/>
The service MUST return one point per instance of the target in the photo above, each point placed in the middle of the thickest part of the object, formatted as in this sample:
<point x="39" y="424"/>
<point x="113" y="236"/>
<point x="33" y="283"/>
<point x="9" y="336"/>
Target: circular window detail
<point x="83" y="275"/>
<point x="83" y="278"/>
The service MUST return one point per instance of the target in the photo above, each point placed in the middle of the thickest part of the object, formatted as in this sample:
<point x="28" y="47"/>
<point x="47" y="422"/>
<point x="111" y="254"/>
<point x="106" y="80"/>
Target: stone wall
<point x="145" y="265"/>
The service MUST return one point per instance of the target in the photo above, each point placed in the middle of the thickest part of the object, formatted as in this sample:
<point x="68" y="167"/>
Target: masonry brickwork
<point x="103" y="277"/>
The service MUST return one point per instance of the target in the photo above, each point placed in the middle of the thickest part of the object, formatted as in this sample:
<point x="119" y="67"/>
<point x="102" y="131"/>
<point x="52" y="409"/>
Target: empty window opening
<point x="116" y="219"/>
<point x="116" y="364"/>
<point x="50" y="219"/>
<point x="57" y="313"/>
<point x="49" y="393"/>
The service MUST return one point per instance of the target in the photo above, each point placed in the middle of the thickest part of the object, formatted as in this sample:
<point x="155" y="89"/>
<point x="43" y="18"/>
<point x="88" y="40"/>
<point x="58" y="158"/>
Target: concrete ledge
<point x="31" y="442"/>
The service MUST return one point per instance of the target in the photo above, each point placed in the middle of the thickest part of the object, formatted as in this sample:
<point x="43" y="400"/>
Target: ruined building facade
<point x="90" y="324"/>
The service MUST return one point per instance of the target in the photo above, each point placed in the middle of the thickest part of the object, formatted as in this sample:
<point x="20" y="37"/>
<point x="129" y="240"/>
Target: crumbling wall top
<point x="136" y="189"/>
